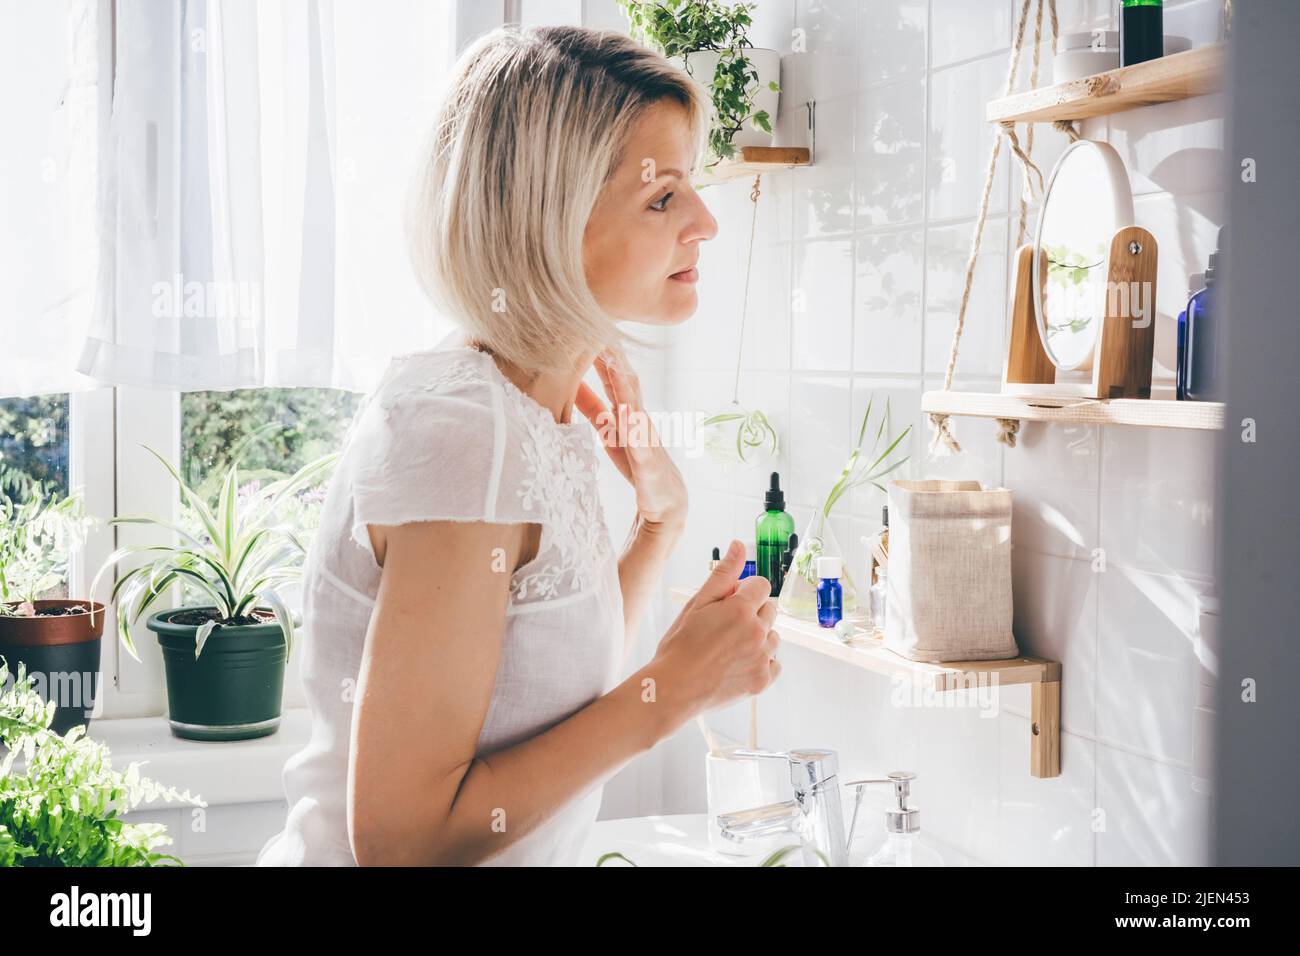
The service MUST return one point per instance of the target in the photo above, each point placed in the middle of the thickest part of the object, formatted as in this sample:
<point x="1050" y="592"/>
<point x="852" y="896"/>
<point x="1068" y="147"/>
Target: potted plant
<point x="57" y="640"/>
<point x="62" y="806"/>
<point x="709" y="38"/>
<point x="224" y="657"/>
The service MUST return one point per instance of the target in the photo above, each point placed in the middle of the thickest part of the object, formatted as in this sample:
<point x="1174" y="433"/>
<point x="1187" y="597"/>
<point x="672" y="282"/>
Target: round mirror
<point x="1088" y="199"/>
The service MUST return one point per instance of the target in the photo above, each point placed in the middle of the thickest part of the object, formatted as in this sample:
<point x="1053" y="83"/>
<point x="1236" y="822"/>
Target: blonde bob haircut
<point x="532" y="126"/>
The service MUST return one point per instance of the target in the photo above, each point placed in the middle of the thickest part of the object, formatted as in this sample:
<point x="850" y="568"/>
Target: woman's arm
<point x="417" y="792"/>
<point x="640" y="568"/>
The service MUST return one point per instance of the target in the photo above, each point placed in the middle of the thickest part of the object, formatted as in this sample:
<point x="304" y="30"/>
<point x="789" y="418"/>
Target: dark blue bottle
<point x="1195" y="285"/>
<point x="751" y="562"/>
<point x="830" y="596"/>
<point x="1202" y="378"/>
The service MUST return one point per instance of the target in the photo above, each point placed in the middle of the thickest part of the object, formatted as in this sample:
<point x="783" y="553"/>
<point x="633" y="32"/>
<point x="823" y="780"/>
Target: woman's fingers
<point x="594" y="410"/>
<point x="635" y="430"/>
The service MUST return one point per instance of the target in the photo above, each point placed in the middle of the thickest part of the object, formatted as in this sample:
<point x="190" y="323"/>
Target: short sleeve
<point x="430" y="446"/>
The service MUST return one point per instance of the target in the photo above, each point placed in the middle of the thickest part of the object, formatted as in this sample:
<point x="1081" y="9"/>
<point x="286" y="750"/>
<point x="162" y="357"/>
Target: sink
<point x="680" y="839"/>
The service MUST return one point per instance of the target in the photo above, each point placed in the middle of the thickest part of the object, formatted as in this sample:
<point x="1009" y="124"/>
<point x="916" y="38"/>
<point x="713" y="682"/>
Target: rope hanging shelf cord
<point x="940" y="425"/>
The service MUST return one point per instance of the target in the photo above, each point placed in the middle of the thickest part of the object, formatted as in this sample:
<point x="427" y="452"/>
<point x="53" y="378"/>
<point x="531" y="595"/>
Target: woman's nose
<point x="702" y="226"/>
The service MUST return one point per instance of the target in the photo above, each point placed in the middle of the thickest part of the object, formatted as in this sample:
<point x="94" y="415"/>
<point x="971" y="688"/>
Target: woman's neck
<point x="556" y="391"/>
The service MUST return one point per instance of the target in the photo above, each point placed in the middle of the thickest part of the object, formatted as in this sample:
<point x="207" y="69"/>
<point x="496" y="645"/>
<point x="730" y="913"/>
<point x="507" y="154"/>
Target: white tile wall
<point x="858" y="270"/>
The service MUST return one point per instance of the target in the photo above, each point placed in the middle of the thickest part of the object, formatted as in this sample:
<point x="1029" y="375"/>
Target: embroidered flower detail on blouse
<point x="561" y="487"/>
<point x="452" y="376"/>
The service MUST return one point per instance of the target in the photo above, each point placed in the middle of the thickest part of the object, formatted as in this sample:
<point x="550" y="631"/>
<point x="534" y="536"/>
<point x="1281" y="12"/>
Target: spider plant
<point x="862" y="468"/>
<point x="856" y="470"/>
<point x="245" y="554"/>
<point x="753" y="433"/>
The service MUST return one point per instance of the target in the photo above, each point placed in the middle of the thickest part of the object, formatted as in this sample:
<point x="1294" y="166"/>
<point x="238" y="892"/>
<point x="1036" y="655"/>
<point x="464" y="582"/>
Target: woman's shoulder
<point x="458" y="374"/>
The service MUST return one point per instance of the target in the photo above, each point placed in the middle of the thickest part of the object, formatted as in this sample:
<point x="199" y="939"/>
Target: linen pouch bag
<point x="949" y="582"/>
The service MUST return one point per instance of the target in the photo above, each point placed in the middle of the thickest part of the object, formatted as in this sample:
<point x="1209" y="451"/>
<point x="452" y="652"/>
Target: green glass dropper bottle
<point x="772" y="533"/>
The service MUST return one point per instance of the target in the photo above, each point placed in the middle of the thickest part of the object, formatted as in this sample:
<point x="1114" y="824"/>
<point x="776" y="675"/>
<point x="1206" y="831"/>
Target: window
<point x="311" y="422"/>
<point x="34" y="454"/>
<point x="34" y="439"/>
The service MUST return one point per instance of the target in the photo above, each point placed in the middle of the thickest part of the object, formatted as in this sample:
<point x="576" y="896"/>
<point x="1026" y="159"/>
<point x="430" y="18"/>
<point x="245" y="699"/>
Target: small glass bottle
<point x="879" y="591"/>
<point x="772" y="530"/>
<point x="787" y="559"/>
<point x="1195" y="284"/>
<point x="1141" y="31"/>
<point x="830" y="596"/>
<point x="1201" y="382"/>
<point x="751" y="561"/>
<point x="881" y="538"/>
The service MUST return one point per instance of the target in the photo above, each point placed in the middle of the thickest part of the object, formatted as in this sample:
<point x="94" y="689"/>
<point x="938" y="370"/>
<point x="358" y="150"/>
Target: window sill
<point x="242" y="771"/>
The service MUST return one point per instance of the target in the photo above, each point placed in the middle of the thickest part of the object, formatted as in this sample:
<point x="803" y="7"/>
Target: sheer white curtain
<point x="261" y="154"/>
<point x="53" y="116"/>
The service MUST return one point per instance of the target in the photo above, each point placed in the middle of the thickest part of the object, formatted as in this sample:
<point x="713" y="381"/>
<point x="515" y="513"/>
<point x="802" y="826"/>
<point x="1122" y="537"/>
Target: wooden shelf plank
<point x="754" y="160"/>
<point x="1162" y="80"/>
<point x="1152" y="413"/>
<point x="870" y="654"/>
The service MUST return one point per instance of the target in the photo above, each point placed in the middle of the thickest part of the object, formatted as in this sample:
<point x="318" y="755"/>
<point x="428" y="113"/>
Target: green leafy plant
<point x="862" y="468"/>
<point x="64" y="806"/>
<point x="614" y="855"/>
<point x="245" y="553"/>
<point x="1066" y="266"/>
<point x="753" y="432"/>
<point x="778" y="856"/>
<point x="680" y="27"/>
<point x="1068" y="269"/>
<point x="38" y="531"/>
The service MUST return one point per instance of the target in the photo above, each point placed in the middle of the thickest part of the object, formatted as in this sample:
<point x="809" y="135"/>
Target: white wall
<point x="875" y="238"/>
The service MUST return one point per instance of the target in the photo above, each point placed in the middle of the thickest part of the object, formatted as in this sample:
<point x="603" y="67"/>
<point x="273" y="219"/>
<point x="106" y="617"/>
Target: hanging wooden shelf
<point x="869" y="653"/>
<point x="1152" y="413"/>
<point x="752" y="160"/>
<point x="1162" y="80"/>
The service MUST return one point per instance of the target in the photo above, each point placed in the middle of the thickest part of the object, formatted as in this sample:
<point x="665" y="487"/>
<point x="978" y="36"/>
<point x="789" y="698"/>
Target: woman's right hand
<point x="722" y="645"/>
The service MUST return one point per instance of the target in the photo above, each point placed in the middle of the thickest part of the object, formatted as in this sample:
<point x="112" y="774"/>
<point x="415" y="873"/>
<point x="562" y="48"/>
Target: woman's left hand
<point x="632" y="443"/>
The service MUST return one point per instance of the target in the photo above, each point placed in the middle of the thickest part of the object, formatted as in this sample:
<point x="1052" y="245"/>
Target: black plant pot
<point x="233" y="690"/>
<point x="61" y="653"/>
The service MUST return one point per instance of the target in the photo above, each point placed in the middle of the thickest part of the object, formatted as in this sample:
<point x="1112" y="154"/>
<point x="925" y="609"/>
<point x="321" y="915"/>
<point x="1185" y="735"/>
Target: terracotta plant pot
<point x="233" y="690"/>
<point x="61" y="653"/>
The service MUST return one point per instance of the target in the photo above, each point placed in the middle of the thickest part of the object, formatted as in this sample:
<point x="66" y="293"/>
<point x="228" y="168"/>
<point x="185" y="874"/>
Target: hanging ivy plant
<point x="677" y="28"/>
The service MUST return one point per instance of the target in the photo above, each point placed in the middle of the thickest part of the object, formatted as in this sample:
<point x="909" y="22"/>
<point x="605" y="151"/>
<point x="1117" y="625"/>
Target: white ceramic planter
<point x="767" y="63"/>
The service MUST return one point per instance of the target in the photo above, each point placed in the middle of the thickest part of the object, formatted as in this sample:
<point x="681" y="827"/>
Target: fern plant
<point x="246" y="553"/>
<point x="64" y="806"/>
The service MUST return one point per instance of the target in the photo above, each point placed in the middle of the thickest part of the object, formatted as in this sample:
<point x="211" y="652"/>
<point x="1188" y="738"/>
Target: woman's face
<point x="643" y="238"/>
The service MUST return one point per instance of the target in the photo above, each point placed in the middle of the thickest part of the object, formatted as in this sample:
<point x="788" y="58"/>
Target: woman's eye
<point x="661" y="203"/>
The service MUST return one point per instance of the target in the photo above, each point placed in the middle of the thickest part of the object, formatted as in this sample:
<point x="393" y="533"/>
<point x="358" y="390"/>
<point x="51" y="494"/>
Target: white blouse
<point x="446" y="436"/>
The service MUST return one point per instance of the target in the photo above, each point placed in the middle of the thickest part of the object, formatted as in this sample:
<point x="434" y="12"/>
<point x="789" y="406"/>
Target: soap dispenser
<point x="903" y="845"/>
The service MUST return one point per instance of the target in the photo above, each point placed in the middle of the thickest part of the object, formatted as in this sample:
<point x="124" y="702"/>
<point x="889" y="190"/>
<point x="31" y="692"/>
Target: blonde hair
<point x="533" y="125"/>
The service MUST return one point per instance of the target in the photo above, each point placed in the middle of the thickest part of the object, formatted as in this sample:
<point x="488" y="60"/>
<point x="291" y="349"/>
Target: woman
<point x="466" y="613"/>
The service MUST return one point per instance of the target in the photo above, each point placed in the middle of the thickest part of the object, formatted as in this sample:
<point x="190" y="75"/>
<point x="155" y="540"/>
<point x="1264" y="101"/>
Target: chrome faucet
<point x="815" y="814"/>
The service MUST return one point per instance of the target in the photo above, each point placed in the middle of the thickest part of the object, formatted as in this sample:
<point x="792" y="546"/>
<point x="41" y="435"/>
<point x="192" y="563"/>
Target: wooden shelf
<point x="754" y="160"/>
<point x="1162" y="80"/>
<point x="869" y="653"/>
<point x="1152" y="413"/>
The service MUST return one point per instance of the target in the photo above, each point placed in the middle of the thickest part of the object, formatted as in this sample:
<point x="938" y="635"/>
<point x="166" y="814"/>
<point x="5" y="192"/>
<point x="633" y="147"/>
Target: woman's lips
<point x="686" y="275"/>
